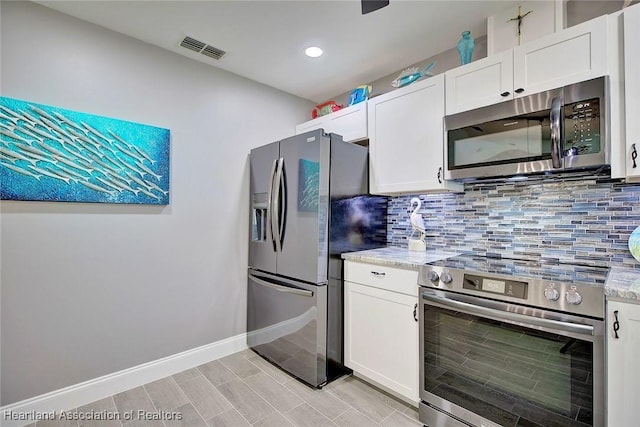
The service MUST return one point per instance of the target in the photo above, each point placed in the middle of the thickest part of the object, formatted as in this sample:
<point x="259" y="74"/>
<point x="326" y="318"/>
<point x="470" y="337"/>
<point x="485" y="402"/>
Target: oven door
<point x="489" y="363"/>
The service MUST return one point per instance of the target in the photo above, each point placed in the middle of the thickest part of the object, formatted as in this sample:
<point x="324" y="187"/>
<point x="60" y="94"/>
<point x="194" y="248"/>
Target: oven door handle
<point x="508" y="316"/>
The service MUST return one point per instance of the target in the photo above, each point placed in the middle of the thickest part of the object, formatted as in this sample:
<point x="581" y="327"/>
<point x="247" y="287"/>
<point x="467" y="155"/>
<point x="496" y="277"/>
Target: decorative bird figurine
<point x="417" y="223"/>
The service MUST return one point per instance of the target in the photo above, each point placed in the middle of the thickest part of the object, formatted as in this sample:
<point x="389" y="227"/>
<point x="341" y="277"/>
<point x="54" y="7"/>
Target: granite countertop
<point x="397" y="257"/>
<point x="623" y="283"/>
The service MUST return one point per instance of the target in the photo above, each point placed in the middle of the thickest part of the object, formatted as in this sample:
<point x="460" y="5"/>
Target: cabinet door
<point x="381" y="338"/>
<point x="318" y="123"/>
<point x="350" y="122"/>
<point x="483" y="82"/>
<point x="406" y="140"/>
<point x="573" y="55"/>
<point x="632" y="88"/>
<point x="623" y="379"/>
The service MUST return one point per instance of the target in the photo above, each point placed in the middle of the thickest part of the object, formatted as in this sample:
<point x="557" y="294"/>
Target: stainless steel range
<point x="508" y="342"/>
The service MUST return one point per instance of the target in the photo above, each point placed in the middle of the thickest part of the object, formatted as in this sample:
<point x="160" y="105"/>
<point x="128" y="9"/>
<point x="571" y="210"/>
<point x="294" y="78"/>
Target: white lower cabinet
<point x="623" y="377"/>
<point x="381" y="330"/>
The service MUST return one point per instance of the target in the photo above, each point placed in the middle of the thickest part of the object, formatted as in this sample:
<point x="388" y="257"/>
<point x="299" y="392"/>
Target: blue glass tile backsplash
<point x="586" y="221"/>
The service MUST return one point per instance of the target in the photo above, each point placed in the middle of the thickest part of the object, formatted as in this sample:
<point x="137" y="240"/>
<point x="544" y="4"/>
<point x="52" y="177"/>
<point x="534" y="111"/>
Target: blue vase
<point x="465" y="47"/>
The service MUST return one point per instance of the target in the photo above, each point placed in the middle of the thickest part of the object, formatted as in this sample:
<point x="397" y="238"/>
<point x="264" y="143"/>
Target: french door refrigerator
<point x="309" y="204"/>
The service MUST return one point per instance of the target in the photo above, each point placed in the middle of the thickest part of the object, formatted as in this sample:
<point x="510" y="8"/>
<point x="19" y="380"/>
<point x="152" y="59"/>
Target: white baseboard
<point x="117" y="382"/>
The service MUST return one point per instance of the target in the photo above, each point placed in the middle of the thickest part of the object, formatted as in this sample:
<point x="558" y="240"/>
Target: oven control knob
<point x="433" y="276"/>
<point x="573" y="297"/>
<point x="446" y="278"/>
<point x="551" y="293"/>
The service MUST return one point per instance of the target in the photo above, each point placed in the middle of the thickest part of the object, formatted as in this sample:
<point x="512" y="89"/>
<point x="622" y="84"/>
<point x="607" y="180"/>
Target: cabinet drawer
<point x="383" y="277"/>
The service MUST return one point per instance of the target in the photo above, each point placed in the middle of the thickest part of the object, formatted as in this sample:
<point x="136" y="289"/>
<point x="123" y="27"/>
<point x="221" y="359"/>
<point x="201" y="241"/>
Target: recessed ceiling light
<point x="313" y="51"/>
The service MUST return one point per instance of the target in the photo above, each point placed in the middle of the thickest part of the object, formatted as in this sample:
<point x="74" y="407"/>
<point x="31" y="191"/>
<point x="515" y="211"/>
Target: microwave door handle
<point x="270" y="203"/>
<point x="556" y="133"/>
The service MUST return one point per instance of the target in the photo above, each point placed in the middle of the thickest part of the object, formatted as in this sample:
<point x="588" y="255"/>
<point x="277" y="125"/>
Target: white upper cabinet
<point x="573" y="55"/>
<point x="406" y="140"/>
<point x="479" y="83"/>
<point x="576" y="54"/>
<point x="317" y="123"/>
<point x="349" y="122"/>
<point x="632" y="91"/>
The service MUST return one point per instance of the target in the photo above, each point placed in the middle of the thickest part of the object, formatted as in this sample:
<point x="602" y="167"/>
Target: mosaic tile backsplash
<point x="586" y="221"/>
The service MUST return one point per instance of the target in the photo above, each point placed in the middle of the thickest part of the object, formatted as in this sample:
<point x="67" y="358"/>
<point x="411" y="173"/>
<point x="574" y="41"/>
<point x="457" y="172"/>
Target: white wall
<point x="91" y="289"/>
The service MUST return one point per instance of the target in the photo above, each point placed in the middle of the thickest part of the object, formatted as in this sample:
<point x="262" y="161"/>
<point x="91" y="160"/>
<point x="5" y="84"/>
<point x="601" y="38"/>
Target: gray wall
<point x="91" y="289"/>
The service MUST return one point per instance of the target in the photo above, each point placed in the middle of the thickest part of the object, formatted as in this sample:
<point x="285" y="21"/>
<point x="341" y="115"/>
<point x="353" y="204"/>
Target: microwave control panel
<point x="582" y="127"/>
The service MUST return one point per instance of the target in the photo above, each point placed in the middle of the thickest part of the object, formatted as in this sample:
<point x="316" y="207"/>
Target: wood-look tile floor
<point x="243" y="390"/>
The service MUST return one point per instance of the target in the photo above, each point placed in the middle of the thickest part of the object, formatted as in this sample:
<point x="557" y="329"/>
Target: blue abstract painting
<point x="52" y="154"/>
<point x="308" y="185"/>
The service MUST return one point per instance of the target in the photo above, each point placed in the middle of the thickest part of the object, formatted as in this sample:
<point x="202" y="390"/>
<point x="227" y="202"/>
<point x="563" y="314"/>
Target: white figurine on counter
<point x="417" y="225"/>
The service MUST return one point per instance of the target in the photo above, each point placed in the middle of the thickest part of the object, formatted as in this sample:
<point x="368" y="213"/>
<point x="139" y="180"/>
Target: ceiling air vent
<point x="203" y="48"/>
<point x="192" y="44"/>
<point x="212" y="52"/>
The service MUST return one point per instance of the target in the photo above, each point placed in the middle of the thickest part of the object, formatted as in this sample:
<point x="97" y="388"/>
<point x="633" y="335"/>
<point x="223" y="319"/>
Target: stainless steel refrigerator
<point x="309" y="204"/>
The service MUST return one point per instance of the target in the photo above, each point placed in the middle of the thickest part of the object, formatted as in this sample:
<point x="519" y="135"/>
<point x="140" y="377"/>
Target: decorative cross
<point x="519" y="18"/>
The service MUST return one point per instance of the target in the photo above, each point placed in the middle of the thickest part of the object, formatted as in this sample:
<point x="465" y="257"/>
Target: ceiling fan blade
<point x="373" y="5"/>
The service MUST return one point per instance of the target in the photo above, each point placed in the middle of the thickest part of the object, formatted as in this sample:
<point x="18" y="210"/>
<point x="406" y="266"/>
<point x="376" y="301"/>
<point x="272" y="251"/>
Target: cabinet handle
<point x="519" y="90"/>
<point x="415" y="312"/>
<point x="616" y="325"/>
<point x="634" y="155"/>
<point x="439" y="175"/>
<point x="505" y="94"/>
<point x="378" y="274"/>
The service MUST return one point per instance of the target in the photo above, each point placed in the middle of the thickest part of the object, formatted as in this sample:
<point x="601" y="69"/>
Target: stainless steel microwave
<point x="560" y="129"/>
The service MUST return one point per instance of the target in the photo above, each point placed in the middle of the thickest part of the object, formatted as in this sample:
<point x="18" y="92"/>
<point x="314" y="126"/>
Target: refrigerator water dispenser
<point x="259" y="218"/>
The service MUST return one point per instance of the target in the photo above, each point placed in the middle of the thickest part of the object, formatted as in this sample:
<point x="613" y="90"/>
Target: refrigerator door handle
<point x="281" y="288"/>
<point x="283" y="198"/>
<point x="270" y="202"/>
<point x="277" y="219"/>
